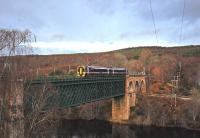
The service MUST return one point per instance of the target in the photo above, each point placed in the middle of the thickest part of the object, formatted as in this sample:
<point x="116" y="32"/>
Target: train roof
<point x="100" y="67"/>
<point x="97" y="67"/>
<point x="119" y="68"/>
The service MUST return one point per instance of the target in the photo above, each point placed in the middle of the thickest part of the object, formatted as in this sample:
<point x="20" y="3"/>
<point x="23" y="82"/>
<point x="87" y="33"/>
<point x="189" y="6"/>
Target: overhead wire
<point x="182" y="20"/>
<point x="154" y="22"/>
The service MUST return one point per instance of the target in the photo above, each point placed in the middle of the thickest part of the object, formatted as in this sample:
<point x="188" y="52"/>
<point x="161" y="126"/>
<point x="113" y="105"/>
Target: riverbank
<point x="164" y="112"/>
<point x="149" y="111"/>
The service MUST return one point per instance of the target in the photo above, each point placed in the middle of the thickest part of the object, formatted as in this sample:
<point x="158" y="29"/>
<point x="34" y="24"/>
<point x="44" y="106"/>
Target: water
<point x="98" y="129"/>
<point x="102" y="129"/>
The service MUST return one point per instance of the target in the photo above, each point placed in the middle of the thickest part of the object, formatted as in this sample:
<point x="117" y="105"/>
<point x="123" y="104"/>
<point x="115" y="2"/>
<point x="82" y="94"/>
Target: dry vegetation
<point x="164" y="112"/>
<point x="161" y="63"/>
<point x="14" y="73"/>
<point x="13" y="44"/>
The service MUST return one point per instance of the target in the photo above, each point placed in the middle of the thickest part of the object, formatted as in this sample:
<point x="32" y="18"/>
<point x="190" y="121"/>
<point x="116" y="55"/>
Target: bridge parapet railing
<point x="54" y="79"/>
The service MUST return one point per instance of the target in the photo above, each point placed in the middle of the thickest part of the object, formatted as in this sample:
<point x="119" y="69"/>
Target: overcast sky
<point x="70" y="26"/>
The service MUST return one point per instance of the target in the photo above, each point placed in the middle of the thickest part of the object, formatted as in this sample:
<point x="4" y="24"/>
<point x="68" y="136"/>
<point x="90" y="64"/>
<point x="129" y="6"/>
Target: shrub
<point x="56" y="72"/>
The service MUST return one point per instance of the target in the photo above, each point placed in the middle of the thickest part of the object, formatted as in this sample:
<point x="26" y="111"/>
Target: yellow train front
<point x="83" y="71"/>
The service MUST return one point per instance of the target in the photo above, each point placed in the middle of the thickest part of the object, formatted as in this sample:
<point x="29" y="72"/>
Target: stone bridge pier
<point x="121" y="105"/>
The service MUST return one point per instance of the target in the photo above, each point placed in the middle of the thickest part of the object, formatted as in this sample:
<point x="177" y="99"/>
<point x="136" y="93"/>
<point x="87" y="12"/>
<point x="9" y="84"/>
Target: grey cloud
<point x="58" y="37"/>
<point x="109" y="7"/>
<point x="101" y="20"/>
<point x="192" y="31"/>
<point x="138" y="34"/>
<point x="168" y="14"/>
<point x="165" y="9"/>
<point x="101" y="6"/>
<point x="24" y="13"/>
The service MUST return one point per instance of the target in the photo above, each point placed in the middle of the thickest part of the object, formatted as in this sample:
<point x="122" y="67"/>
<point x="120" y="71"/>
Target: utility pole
<point x="37" y="72"/>
<point x="87" y="61"/>
<point x="69" y="69"/>
<point x="175" y="85"/>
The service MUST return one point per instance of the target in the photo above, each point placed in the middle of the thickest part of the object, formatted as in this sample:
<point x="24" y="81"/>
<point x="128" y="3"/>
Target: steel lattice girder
<point x="77" y="91"/>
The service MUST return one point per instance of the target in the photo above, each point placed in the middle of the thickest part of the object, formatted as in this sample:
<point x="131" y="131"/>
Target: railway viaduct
<point x="71" y="92"/>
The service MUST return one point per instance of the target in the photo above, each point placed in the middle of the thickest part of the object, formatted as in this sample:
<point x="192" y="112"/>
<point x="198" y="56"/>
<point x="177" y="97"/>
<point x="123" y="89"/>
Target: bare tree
<point x="41" y="105"/>
<point x="195" y="104"/>
<point x="13" y="43"/>
<point x="16" y="67"/>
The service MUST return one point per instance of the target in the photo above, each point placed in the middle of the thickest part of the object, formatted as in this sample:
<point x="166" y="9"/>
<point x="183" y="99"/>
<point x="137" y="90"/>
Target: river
<point x="103" y="129"/>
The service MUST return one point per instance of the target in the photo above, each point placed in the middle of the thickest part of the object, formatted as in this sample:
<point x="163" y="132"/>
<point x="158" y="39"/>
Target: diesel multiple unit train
<point x="97" y="70"/>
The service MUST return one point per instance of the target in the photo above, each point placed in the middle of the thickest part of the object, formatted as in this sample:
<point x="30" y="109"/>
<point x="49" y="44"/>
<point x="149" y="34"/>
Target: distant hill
<point x="161" y="62"/>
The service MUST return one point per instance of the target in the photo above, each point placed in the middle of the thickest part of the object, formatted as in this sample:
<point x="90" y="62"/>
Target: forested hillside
<point x="162" y="63"/>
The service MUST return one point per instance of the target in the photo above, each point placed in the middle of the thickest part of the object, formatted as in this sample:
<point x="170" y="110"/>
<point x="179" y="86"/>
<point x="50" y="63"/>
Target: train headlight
<point x="81" y="71"/>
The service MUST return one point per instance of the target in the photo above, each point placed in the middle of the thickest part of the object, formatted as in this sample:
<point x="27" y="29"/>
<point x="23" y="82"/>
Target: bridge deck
<point x="77" y="91"/>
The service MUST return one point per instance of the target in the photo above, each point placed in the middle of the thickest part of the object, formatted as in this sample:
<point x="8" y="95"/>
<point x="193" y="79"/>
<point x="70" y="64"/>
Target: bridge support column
<point x="121" y="105"/>
<point x="120" y="108"/>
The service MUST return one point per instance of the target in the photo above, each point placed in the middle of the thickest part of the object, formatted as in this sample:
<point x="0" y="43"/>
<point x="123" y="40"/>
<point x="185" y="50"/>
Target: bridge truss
<point x="76" y="91"/>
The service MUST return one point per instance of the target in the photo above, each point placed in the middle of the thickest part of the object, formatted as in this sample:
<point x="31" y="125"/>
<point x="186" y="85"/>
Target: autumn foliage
<point x="160" y="63"/>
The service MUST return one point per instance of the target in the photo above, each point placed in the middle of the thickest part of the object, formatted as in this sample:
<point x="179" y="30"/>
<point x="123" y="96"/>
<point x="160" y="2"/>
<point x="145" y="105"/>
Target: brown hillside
<point x="161" y="62"/>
